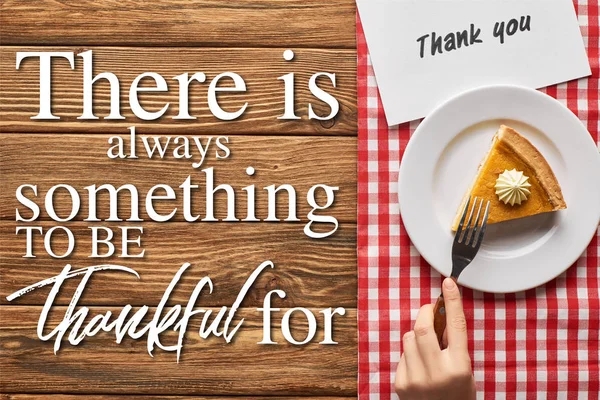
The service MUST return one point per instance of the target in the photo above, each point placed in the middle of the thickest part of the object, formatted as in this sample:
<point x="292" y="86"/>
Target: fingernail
<point x="449" y="283"/>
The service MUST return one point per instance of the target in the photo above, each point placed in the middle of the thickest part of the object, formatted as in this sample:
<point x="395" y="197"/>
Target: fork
<point x="466" y="244"/>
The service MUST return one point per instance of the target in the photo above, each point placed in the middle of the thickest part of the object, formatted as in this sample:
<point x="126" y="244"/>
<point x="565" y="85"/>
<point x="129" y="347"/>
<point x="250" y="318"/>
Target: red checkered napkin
<point x="542" y="343"/>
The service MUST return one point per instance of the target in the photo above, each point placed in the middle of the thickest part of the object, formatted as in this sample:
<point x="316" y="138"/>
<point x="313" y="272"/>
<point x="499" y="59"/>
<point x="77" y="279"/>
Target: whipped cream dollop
<point x="512" y="187"/>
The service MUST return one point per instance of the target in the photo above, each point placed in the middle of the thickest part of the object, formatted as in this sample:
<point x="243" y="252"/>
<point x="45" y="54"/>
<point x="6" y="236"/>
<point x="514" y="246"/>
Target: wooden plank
<point x="81" y="160"/>
<point x="259" y="67"/>
<point x="239" y="23"/>
<point x="313" y="273"/>
<point x="19" y="396"/>
<point x="207" y="367"/>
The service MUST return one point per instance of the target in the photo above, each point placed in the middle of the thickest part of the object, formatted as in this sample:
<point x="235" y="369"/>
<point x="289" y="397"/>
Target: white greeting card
<point x="425" y="51"/>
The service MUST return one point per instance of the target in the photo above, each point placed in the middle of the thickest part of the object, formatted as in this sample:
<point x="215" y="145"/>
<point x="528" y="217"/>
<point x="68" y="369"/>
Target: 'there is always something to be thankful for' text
<point x="77" y="321"/>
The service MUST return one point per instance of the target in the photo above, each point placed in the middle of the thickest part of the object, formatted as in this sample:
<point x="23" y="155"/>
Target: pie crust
<point x="521" y="148"/>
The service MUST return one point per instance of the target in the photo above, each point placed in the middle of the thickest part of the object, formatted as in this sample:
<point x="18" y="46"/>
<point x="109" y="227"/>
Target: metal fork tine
<point x="468" y="226"/>
<point x="471" y="241"/>
<point x="462" y="220"/>
<point x="483" y="224"/>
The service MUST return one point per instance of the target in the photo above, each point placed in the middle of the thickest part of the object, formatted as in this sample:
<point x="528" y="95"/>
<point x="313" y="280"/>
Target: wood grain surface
<point x="299" y="161"/>
<point x="208" y="366"/>
<point x="304" y="268"/>
<point x="260" y="68"/>
<point x="63" y="396"/>
<point x="172" y="37"/>
<point x="236" y="23"/>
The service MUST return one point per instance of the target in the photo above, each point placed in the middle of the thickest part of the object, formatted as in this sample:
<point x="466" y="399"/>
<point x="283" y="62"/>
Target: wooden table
<point x="172" y="37"/>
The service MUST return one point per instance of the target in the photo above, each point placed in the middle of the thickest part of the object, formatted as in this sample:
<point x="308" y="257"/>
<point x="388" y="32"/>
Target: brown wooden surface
<point x="260" y="68"/>
<point x="207" y="366"/>
<point x="237" y="23"/>
<point x="38" y="396"/>
<point x="304" y="268"/>
<point x="300" y="161"/>
<point x="172" y="37"/>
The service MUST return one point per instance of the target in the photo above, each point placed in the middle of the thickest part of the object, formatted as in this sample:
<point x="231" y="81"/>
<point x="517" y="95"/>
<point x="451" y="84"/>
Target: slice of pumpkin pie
<point x="516" y="179"/>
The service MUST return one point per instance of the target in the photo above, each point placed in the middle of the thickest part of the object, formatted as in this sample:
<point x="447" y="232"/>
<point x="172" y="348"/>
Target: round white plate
<point x="441" y="161"/>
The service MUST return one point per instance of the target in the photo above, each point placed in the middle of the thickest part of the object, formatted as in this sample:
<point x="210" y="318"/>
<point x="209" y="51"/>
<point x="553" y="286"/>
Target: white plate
<point x="442" y="158"/>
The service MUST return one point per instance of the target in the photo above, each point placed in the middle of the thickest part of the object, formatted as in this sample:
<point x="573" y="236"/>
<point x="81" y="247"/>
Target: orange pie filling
<point x="511" y="151"/>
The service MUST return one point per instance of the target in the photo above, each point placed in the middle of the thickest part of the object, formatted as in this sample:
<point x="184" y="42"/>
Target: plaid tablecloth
<point x="542" y="343"/>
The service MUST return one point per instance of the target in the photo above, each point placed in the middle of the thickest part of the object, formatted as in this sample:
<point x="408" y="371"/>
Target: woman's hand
<point x="427" y="372"/>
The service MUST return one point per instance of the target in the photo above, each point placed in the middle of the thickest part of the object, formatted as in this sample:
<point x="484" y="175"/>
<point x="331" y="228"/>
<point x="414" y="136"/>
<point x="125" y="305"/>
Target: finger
<point x="414" y="365"/>
<point x="409" y="345"/>
<point x="427" y="342"/>
<point x="456" y="325"/>
<point x="401" y="380"/>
